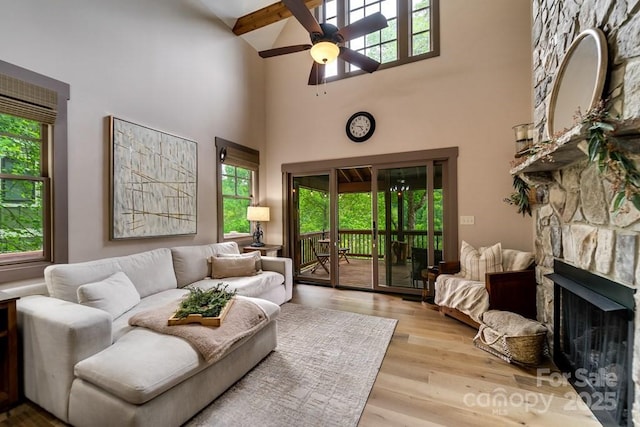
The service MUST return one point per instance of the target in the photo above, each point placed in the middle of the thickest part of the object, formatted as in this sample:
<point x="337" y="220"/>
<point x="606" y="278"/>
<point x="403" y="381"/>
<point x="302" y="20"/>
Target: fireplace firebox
<point x="593" y="340"/>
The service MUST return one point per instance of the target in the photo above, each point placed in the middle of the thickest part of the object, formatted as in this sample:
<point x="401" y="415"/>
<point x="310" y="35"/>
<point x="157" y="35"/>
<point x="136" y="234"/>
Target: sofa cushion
<point x="150" y="272"/>
<point x="143" y="364"/>
<point x="251" y="286"/>
<point x="121" y="324"/>
<point x="225" y="248"/>
<point x="514" y="260"/>
<point x="115" y="294"/>
<point x="222" y="267"/>
<point x="475" y="263"/>
<point x="190" y="263"/>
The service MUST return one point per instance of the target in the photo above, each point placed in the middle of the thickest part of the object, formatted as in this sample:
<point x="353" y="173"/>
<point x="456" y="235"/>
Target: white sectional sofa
<point x="89" y="367"/>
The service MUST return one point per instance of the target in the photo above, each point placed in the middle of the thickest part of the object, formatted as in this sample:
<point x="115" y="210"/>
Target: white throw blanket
<point x="468" y="296"/>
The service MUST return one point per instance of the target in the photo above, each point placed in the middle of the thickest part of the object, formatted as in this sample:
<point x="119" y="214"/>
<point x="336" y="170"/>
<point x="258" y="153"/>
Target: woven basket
<point x="527" y="350"/>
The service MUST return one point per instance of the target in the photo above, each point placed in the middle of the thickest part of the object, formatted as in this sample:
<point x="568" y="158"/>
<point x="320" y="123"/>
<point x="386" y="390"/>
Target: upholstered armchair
<point x="490" y="278"/>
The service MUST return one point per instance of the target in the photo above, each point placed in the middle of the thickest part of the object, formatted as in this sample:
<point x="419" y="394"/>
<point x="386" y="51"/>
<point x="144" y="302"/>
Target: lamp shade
<point x="325" y="52"/>
<point x="258" y="213"/>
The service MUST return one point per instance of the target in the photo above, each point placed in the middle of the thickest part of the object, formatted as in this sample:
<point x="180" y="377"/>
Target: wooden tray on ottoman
<point x="198" y="318"/>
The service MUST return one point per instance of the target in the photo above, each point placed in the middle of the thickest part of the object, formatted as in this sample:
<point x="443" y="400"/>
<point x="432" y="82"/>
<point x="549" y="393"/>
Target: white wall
<point x="166" y="64"/>
<point x="171" y="66"/>
<point x="470" y="96"/>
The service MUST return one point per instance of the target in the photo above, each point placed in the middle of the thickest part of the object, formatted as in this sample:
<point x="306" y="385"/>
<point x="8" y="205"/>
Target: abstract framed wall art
<point x="153" y="182"/>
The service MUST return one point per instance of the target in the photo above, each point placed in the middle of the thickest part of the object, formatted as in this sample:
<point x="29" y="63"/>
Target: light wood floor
<point x="431" y="375"/>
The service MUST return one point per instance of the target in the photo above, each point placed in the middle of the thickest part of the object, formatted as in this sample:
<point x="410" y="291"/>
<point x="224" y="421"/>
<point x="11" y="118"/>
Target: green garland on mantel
<point x="613" y="160"/>
<point x="602" y="147"/>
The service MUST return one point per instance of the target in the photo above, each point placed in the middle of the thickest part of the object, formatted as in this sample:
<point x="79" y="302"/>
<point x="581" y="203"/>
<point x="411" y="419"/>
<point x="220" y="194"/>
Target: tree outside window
<point x="237" y="185"/>
<point x="21" y="186"/>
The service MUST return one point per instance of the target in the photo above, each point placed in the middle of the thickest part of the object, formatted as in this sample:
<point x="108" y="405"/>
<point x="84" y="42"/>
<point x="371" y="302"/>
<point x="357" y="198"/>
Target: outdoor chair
<point x="342" y="254"/>
<point x="419" y="261"/>
<point x="321" y="259"/>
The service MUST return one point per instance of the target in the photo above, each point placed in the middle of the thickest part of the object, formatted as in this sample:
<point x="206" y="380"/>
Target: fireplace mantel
<point x="571" y="147"/>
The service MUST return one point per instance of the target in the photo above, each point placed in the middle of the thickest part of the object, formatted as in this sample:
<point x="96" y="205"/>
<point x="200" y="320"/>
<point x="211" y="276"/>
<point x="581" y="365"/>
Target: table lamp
<point x="257" y="214"/>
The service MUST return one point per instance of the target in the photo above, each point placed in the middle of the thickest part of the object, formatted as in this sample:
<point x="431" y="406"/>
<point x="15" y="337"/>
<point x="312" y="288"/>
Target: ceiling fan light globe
<point x="325" y="52"/>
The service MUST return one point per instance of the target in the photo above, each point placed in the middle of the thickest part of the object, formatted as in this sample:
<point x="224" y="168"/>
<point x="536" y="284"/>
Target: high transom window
<point x="411" y="35"/>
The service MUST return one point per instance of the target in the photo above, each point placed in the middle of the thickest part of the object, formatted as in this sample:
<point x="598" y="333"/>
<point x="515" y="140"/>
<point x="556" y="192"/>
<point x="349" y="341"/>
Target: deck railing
<point x="359" y="243"/>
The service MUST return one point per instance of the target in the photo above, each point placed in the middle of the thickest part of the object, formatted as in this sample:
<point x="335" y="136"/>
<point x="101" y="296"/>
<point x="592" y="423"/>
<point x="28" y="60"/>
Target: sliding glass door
<point x="409" y="212"/>
<point x="374" y="226"/>
<point x="311" y="220"/>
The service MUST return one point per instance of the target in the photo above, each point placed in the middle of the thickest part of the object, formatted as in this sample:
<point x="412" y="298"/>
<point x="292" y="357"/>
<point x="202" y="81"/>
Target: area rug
<point x="320" y="374"/>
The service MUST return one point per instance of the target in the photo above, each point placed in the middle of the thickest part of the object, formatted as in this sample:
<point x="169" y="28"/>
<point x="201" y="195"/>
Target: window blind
<point x="237" y="155"/>
<point x="27" y="100"/>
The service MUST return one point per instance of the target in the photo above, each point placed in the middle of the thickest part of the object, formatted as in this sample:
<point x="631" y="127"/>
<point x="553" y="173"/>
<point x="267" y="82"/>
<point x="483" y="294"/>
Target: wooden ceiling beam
<point x="266" y="16"/>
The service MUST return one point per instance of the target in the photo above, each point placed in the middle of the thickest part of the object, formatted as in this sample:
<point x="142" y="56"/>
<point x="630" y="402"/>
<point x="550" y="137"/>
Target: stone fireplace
<point x="574" y="222"/>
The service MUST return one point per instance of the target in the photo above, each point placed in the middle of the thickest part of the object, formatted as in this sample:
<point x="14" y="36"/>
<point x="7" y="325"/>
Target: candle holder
<point x="524" y="137"/>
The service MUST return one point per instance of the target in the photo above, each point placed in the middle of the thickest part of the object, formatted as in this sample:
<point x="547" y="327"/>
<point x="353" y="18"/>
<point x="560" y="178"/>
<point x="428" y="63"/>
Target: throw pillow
<point x="115" y="294"/>
<point x="253" y="254"/>
<point x="222" y="267"/>
<point x="514" y="260"/>
<point x="474" y="263"/>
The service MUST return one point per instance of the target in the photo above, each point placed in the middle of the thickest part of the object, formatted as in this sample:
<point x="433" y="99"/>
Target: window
<point x="411" y="35"/>
<point x="33" y="141"/>
<point x="237" y="188"/>
<point x="236" y="198"/>
<point x="22" y="186"/>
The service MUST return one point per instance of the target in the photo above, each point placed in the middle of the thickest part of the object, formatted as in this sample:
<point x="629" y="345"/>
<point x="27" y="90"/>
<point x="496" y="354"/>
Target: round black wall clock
<point x="360" y="126"/>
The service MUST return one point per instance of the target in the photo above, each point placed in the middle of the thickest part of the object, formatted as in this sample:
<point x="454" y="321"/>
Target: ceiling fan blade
<point x="283" y="50"/>
<point x="364" y="26"/>
<point x="317" y="74"/>
<point x="303" y="15"/>
<point x="361" y="61"/>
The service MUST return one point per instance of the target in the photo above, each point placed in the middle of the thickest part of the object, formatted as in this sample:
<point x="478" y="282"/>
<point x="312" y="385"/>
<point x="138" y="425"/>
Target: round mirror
<point x="579" y="82"/>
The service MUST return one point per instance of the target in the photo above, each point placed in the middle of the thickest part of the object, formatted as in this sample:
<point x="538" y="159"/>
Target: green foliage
<point x="612" y="160"/>
<point x="520" y="197"/>
<point x="313" y="209"/>
<point x="207" y="303"/>
<point x="355" y="210"/>
<point x="21" y="197"/>
<point x="236" y="196"/>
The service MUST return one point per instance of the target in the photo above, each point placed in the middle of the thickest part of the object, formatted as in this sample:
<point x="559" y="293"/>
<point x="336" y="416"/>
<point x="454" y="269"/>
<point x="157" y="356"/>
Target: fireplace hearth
<point x="593" y="340"/>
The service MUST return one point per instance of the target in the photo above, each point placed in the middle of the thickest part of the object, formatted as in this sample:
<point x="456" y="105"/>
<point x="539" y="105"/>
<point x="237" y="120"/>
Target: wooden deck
<point x="358" y="273"/>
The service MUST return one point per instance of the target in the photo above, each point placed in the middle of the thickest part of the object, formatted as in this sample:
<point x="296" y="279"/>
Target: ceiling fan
<point x="327" y="41"/>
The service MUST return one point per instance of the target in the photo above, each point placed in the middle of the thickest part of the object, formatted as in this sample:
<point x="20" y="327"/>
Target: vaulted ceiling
<point x="259" y="22"/>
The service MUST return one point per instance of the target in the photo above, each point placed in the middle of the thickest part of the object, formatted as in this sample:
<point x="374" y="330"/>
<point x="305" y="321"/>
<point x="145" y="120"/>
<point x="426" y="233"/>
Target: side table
<point x="8" y="351"/>
<point x="429" y="276"/>
<point x="266" y="250"/>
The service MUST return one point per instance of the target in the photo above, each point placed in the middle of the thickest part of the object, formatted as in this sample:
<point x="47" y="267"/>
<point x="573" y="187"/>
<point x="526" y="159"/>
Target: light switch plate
<point x="467" y="220"/>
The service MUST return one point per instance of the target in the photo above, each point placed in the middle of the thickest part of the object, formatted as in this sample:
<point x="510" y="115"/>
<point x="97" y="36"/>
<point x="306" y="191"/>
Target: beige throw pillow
<point x="222" y="267"/>
<point x="253" y="254"/>
<point x="474" y="263"/>
<point x="115" y="294"/>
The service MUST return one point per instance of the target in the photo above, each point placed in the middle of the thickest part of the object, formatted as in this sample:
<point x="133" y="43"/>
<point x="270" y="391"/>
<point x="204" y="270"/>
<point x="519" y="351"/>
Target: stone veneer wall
<point x="574" y="222"/>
